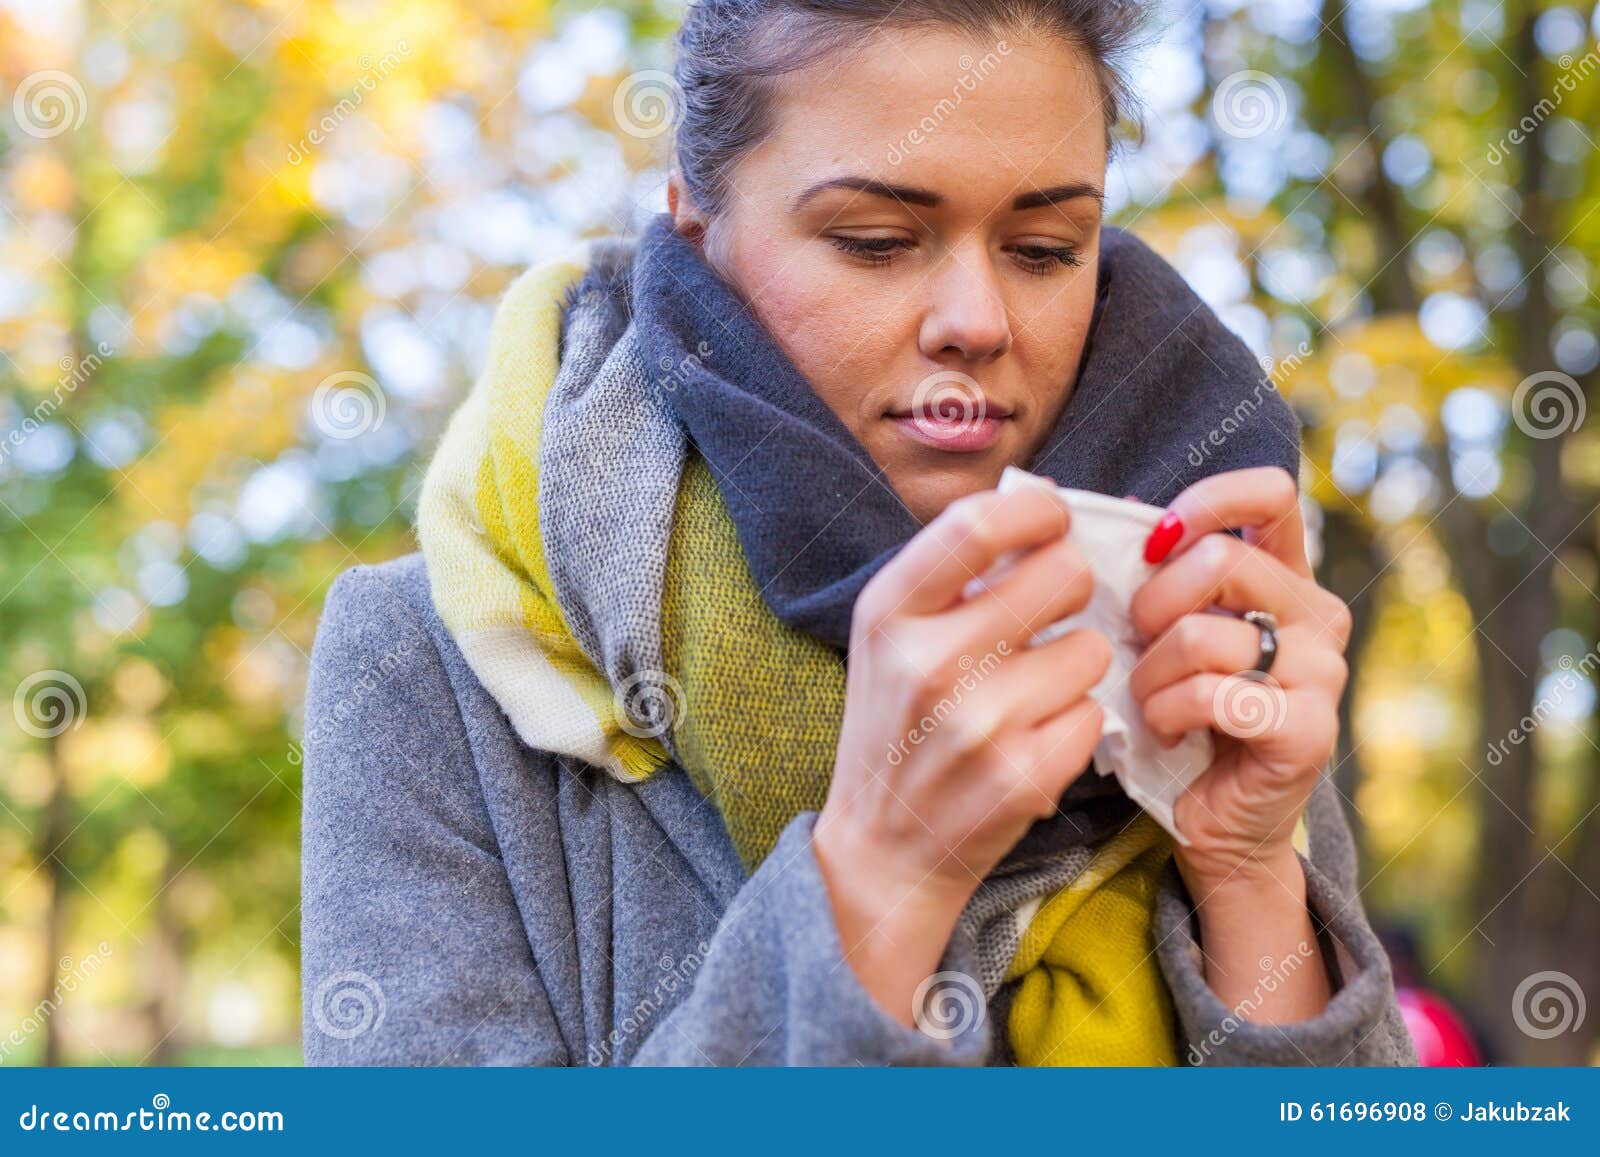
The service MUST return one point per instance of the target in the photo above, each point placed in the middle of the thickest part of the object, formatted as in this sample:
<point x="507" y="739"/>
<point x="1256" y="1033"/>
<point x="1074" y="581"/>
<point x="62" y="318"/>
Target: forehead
<point x="974" y="116"/>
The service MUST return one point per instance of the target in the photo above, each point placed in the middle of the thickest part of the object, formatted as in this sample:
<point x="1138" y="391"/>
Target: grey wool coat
<point x="471" y="901"/>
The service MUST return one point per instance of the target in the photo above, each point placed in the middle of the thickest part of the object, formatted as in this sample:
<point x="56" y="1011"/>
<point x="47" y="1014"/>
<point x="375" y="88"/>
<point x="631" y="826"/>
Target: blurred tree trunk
<point x="1523" y="899"/>
<point x="1352" y="563"/>
<point x="1523" y="892"/>
<point x="164" y="959"/>
<point x="57" y="821"/>
<point x="1531" y="911"/>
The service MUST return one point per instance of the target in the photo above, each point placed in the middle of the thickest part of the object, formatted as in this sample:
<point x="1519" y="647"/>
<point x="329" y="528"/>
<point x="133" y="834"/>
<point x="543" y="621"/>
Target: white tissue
<point x="1110" y="532"/>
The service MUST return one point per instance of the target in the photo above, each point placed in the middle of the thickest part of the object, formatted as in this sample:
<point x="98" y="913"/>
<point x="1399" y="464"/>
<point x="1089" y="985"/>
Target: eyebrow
<point x="911" y="195"/>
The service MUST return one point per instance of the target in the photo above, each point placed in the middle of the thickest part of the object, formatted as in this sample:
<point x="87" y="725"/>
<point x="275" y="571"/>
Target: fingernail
<point x="1163" y="538"/>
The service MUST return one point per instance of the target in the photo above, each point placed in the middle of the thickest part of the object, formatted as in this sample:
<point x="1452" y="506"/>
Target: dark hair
<point x="729" y="52"/>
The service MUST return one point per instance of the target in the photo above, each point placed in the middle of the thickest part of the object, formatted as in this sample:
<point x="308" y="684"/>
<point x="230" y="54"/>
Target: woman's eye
<point x="1047" y="258"/>
<point x="877" y="250"/>
<point x="1038" y="259"/>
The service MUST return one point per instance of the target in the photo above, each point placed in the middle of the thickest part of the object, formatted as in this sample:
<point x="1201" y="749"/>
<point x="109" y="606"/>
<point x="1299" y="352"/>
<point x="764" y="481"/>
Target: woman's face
<point x="920" y="234"/>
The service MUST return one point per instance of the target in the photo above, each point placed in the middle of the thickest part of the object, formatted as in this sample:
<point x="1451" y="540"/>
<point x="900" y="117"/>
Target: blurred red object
<point x="1441" y="1035"/>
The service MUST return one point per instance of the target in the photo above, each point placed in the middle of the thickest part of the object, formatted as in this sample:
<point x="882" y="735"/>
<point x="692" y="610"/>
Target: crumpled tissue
<point x="1110" y="532"/>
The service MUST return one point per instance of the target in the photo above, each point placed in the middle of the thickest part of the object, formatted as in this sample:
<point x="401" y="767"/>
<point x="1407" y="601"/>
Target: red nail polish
<point x="1163" y="538"/>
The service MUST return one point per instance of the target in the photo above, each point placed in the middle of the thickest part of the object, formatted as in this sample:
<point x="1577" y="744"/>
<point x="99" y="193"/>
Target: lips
<point x="956" y="433"/>
<point x="953" y="410"/>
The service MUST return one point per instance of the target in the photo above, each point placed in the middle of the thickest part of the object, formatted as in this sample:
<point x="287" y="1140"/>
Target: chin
<point x="929" y="491"/>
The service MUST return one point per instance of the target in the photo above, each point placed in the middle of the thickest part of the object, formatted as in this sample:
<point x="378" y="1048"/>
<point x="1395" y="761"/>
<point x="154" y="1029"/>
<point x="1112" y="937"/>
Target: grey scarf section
<point x="610" y="462"/>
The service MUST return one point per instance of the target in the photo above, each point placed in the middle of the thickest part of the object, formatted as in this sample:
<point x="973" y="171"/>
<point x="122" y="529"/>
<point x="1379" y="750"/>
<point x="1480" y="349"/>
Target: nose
<point x="967" y="315"/>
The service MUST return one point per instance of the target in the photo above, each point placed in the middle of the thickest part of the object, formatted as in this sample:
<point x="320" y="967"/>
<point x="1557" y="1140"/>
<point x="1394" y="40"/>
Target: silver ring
<point x="1267" y="623"/>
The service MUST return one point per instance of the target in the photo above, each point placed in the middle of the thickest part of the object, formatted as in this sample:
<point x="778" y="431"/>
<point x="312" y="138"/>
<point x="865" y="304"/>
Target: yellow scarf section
<point x="762" y="702"/>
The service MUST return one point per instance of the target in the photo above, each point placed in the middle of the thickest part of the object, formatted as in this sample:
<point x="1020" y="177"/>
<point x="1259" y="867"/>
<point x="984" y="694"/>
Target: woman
<point x="590" y="782"/>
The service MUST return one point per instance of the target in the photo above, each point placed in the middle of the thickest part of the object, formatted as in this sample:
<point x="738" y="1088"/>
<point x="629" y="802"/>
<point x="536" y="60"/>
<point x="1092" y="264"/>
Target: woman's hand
<point x="1274" y="733"/>
<point x="956" y="737"/>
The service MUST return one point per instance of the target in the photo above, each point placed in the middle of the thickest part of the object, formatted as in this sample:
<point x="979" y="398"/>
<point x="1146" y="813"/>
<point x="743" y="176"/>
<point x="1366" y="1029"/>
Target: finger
<point x="965" y="540"/>
<point x="997" y="695"/>
<point x="1256" y="710"/>
<point x="1224" y="645"/>
<point x="1035" y="590"/>
<point x="1262" y="499"/>
<point x="1059" y="750"/>
<point x="1220" y="570"/>
<point x="1039" y="682"/>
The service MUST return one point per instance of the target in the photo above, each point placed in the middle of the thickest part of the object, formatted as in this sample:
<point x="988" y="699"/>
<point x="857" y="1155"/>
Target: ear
<point x="687" y="220"/>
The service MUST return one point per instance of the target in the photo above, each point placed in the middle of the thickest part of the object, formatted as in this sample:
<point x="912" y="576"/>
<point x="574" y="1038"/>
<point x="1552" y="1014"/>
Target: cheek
<point x="1055" y="326"/>
<point x="836" y="344"/>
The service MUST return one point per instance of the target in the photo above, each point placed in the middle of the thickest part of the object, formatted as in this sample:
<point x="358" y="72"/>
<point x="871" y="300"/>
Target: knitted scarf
<point x="646" y="534"/>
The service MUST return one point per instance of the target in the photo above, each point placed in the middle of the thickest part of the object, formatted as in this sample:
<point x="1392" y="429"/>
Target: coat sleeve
<point x="413" y="949"/>
<point x="1361" y="1025"/>
<point x="775" y="988"/>
<point x="406" y="906"/>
